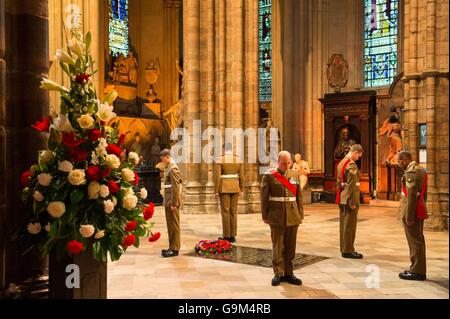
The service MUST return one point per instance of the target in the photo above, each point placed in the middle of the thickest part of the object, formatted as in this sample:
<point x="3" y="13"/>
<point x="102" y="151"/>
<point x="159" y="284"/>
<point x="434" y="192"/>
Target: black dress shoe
<point x="407" y="275"/>
<point x="222" y="238"/>
<point x="170" y="253"/>
<point x="232" y="239"/>
<point x="292" y="280"/>
<point x="164" y="251"/>
<point x="276" y="281"/>
<point x="354" y="255"/>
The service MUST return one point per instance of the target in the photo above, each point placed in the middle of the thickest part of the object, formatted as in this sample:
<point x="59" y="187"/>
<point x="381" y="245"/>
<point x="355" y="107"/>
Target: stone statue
<point x="302" y="167"/>
<point x="393" y="131"/>
<point x="132" y="68"/>
<point x="344" y="143"/>
<point x="154" y="153"/>
<point x="115" y="74"/>
<point x="123" y="68"/>
<point x="152" y="73"/>
<point x="337" y="72"/>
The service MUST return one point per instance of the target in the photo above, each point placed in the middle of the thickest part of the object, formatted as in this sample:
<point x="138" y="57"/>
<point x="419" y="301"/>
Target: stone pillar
<point x="3" y="168"/>
<point x="220" y="57"/>
<point x="26" y="54"/>
<point x="426" y="95"/>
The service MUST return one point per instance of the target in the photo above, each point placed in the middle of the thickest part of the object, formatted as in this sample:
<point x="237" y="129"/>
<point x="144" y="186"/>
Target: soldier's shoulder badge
<point x="410" y="180"/>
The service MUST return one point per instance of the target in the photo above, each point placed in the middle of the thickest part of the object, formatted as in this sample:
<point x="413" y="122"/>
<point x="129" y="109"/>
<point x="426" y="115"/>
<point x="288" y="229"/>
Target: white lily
<point x="105" y="112"/>
<point x="65" y="57"/>
<point x="62" y="124"/>
<point x="76" y="47"/>
<point x="47" y="84"/>
<point x="110" y="97"/>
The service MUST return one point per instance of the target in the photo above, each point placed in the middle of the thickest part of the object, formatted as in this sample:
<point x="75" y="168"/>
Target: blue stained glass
<point x="265" y="50"/>
<point x="118" y="27"/>
<point x="380" y="42"/>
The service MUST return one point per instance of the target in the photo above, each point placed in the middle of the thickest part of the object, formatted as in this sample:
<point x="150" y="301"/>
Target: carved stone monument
<point x="337" y="72"/>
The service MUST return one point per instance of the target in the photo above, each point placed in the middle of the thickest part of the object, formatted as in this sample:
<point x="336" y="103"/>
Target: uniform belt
<point x="357" y="184"/>
<point x="282" y="199"/>
<point x="167" y="185"/>
<point x="229" y="176"/>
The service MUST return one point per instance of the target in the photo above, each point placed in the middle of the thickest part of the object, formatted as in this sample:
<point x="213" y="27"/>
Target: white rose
<point x="112" y="160"/>
<point x="133" y="157"/>
<point x="99" y="234"/>
<point x="109" y="206"/>
<point x="93" y="190"/>
<point x="65" y="166"/>
<point x="103" y="143"/>
<point x="46" y="156"/>
<point x="38" y="197"/>
<point x="86" y="121"/>
<point x="130" y="202"/>
<point x="127" y="191"/>
<point x="34" y="228"/>
<point x="128" y="175"/>
<point x="44" y="179"/>
<point x="104" y="191"/>
<point x="105" y="112"/>
<point x="56" y="209"/>
<point x="87" y="230"/>
<point x="77" y="177"/>
<point x="143" y="193"/>
<point x="48" y="227"/>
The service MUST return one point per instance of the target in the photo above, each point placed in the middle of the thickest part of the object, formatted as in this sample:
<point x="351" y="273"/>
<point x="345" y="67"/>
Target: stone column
<point x="220" y="56"/>
<point x="426" y="95"/>
<point x="3" y="168"/>
<point x="26" y="55"/>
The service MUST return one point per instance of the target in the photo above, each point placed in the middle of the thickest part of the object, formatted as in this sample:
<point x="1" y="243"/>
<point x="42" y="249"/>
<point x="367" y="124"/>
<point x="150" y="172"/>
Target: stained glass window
<point x="118" y="27"/>
<point x="380" y="42"/>
<point x="265" y="50"/>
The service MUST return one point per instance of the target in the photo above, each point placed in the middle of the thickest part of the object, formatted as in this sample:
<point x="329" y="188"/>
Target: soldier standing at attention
<point x="171" y="188"/>
<point x="413" y="211"/>
<point x="347" y="196"/>
<point x="281" y="207"/>
<point x="229" y="183"/>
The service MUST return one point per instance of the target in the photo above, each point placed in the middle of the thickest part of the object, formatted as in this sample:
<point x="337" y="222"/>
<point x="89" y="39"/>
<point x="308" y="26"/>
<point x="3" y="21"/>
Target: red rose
<point x="79" y="155"/>
<point x="94" y="135"/>
<point x="74" y="247"/>
<point x="129" y="240"/>
<point x="80" y="78"/>
<point x="113" y="187"/>
<point x="106" y="172"/>
<point x="42" y="126"/>
<point x="148" y="212"/>
<point x="131" y="225"/>
<point x="25" y="178"/>
<point x="136" y="179"/>
<point x="154" y="237"/>
<point x="93" y="173"/>
<point x="71" y="141"/>
<point x="121" y="140"/>
<point x="114" y="149"/>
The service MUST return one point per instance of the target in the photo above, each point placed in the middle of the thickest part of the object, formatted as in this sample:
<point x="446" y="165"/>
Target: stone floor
<point x="143" y="273"/>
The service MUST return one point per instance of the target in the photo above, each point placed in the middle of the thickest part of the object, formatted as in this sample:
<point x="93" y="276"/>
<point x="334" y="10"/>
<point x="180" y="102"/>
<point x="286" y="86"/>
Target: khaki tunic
<point x="283" y="218"/>
<point x="413" y="182"/>
<point x="172" y="190"/>
<point x="350" y="191"/>
<point x="228" y="188"/>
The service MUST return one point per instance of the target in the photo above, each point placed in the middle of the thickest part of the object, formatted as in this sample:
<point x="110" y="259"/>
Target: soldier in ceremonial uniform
<point x="281" y="206"/>
<point x="229" y="183"/>
<point x="347" y="196"/>
<point x="171" y="188"/>
<point x="413" y="211"/>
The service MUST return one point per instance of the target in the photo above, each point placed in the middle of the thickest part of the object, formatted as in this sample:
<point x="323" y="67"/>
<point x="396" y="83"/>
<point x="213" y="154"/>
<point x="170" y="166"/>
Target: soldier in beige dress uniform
<point x="281" y="207"/>
<point x="413" y="211"/>
<point x="229" y="184"/>
<point x="171" y="189"/>
<point x="347" y="196"/>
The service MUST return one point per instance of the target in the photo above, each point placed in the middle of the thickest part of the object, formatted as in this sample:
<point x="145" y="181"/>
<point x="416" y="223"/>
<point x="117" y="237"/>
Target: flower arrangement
<point x="213" y="247"/>
<point x="83" y="192"/>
